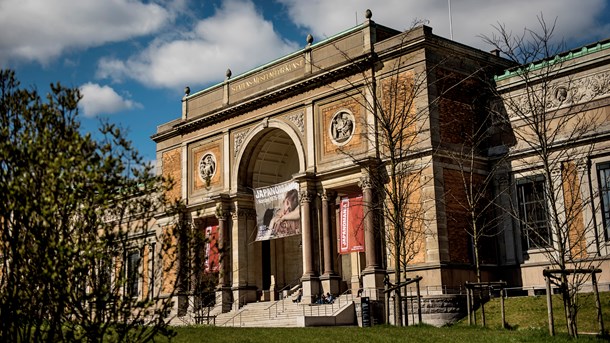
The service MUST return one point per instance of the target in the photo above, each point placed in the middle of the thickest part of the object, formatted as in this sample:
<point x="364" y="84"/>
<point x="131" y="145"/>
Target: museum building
<point x="280" y="166"/>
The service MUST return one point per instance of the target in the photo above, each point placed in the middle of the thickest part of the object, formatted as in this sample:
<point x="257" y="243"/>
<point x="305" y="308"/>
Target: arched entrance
<point x="271" y="157"/>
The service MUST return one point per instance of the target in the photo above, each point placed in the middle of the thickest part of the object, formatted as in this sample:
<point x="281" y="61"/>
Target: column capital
<point x="221" y="212"/>
<point x="365" y="182"/>
<point x="327" y="194"/>
<point x="305" y="197"/>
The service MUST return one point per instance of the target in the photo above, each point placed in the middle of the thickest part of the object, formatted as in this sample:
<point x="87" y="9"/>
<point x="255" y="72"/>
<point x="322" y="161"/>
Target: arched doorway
<point x="270" y="158"/>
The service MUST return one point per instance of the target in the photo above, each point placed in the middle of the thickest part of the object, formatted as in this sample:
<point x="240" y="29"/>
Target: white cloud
<point x="576" y="20"/>
<point x="235" y="37"/>
<point x="99" y="99"/>
<point x="40" y="30"/>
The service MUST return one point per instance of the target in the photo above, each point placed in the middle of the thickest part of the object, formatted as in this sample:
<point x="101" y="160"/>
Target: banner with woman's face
<point x="277" y="211"/>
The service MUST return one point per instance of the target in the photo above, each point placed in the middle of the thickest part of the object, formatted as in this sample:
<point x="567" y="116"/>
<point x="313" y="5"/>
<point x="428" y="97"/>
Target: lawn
<point x="531" y="312"/>
<point x="527" y="317"/>
<point x="381" y="333"/>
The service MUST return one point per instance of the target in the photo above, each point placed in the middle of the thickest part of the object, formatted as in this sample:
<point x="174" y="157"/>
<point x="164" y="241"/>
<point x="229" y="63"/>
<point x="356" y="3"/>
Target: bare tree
<point x="555" y="124"/>
<point x="399" y="92"/>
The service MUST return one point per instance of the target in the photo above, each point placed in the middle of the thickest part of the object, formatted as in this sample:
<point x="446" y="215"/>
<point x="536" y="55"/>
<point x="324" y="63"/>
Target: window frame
<point x="604" y="192"/>
<point x="525" y="210"/>
<point x="133" y="273"/>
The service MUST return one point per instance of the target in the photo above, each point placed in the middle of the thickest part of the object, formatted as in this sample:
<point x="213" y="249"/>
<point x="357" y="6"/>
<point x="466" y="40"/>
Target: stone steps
<point x="266" y="314"/>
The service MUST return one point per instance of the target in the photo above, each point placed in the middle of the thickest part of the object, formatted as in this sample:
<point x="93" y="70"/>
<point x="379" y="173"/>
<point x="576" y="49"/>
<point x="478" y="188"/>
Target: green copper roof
<point x="563" y="57"/>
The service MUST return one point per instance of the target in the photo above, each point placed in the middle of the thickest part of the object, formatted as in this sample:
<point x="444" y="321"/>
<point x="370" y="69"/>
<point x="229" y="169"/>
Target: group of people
<point x="325" y="299"/>
<point x="322" y="299"/>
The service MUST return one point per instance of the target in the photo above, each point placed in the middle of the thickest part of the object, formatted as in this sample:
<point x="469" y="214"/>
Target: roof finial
<point x="368" y="14"/>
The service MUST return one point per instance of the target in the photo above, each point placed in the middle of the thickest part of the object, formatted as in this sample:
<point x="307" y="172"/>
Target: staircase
<point x="285" y="313"/>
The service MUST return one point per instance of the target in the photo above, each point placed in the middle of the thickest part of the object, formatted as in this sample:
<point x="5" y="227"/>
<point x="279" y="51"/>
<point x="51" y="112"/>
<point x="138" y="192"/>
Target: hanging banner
<point x="211" y="250"/>
<point x="277" y="211"/>
<point x="351" y="227"/>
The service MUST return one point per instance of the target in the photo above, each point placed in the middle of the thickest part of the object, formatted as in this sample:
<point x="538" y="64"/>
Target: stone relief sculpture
<point x="342" y="127"/>
<point x="207" y="167"/>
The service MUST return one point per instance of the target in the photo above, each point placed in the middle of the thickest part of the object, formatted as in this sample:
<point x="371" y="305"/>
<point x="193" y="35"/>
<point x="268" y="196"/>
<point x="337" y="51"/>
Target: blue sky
<point x="132" y="59"/>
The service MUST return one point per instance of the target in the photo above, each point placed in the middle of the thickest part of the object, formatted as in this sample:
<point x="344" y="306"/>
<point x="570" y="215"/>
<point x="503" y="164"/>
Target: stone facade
<point x="313" y="117"/>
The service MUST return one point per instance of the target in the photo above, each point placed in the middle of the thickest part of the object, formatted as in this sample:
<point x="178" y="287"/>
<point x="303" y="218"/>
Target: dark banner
<point x="351" y="226"/>
<point x="211" y="249"/>
<point x="277" y="211"/>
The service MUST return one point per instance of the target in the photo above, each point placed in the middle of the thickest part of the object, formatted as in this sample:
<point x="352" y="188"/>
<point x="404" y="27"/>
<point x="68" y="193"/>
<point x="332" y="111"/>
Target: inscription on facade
<point x="267" y="76"/>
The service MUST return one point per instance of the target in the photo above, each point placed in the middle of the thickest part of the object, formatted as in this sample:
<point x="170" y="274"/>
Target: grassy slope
<point x="531" y="312"/>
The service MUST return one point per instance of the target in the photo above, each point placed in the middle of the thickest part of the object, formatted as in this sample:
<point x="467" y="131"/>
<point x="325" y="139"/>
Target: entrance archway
<point x="272" y="157"/>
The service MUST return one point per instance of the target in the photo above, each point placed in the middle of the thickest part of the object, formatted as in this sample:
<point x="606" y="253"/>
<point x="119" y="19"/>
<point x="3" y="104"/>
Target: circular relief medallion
<point x="207" y="167"/>
<point x="561" y="94"/>
<point x="341" y="128"/>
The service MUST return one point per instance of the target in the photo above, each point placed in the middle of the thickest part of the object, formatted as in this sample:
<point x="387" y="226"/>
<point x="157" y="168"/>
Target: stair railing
<point x="275" y="305"/>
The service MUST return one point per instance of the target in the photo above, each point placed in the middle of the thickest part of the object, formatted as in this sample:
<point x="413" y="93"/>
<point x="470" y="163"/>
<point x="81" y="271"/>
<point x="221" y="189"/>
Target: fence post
<point x="598" y="304"/>
<point x="549" y="305"/>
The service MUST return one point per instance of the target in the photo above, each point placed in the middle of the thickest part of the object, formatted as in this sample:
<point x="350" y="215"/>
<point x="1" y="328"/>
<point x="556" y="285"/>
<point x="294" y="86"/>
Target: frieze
<point x="565" y="94"/>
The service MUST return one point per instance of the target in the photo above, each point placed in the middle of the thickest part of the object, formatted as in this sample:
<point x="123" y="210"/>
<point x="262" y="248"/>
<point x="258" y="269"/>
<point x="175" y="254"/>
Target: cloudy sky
<point x="132" y="58"/>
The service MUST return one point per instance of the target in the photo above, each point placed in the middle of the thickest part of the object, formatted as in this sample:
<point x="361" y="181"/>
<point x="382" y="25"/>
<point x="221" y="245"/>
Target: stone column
<point x="329" y="280"/>
<point x="309" y="280"/>
<point x="244" y="291"/>
<point x="223" y="291"/>
<point x="372" y="275"/>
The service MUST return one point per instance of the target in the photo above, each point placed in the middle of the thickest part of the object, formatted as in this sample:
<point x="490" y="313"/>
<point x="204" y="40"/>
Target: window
<point x="603" y="171"/>
<point x="535" y="230"/>
<point x="133" y="276"/>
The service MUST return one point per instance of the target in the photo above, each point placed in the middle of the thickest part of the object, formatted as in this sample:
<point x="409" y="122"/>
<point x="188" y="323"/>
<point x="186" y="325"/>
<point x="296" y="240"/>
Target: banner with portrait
<point x="278" y="213"/>
<point x="351" y="225"/>
<point x="211" y="264"/>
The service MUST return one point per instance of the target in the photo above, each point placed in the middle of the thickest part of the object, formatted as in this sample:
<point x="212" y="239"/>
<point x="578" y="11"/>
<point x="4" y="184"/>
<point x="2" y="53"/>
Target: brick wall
<point x="573" y="207"/>
<point x="171" y="169"/>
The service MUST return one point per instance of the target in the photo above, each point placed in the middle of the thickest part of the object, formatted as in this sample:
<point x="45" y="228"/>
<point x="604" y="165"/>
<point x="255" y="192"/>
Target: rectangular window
<point x="603" y="171"/>
<point x="133" y="272"/>
<point x="535" y="229"/>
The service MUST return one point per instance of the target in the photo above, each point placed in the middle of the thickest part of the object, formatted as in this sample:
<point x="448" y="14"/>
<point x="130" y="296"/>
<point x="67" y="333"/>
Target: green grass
<point x="420" y="334"/>
<point x="527" y="317"/>
<point x="531" y="313"/>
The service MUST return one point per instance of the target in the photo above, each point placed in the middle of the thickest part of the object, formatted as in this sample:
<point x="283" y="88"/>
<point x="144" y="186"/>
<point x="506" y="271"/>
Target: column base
<point x="330" y="284"/>
<point x="372" y="283"/>
<point x="224" y="298"/>
<point x="311" y="289"/>
<point x="243" y="295"/>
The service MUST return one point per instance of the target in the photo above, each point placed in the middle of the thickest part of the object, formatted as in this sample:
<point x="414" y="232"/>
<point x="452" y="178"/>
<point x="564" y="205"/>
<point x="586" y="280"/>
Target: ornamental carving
<point x="239" y="139"/>
<point x="365" y="182"/>
<point x="561" y="94"/>
<point x="298" y="119"/>
<point x="207" y="167"/>
<point x="305" y="197"/>
<point x="341" y="128"/>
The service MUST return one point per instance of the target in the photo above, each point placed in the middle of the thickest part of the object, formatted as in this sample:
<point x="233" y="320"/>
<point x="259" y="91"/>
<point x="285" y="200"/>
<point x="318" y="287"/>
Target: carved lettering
<point x="267" y="76"/>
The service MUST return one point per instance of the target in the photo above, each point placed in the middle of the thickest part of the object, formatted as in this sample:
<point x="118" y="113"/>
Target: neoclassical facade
<point x="306" y="119"/>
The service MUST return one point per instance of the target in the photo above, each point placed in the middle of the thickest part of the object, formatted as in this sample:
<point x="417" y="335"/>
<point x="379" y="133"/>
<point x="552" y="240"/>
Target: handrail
<point x="349" y="295"/>
<point x="288" y="286"/>
<point x="239" y="302"/>
<point x="233" y="318"/>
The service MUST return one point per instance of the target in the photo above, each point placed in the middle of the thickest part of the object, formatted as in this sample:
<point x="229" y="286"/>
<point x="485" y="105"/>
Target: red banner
<point x="351" y="226"/>
<point x="211" y="249"/>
